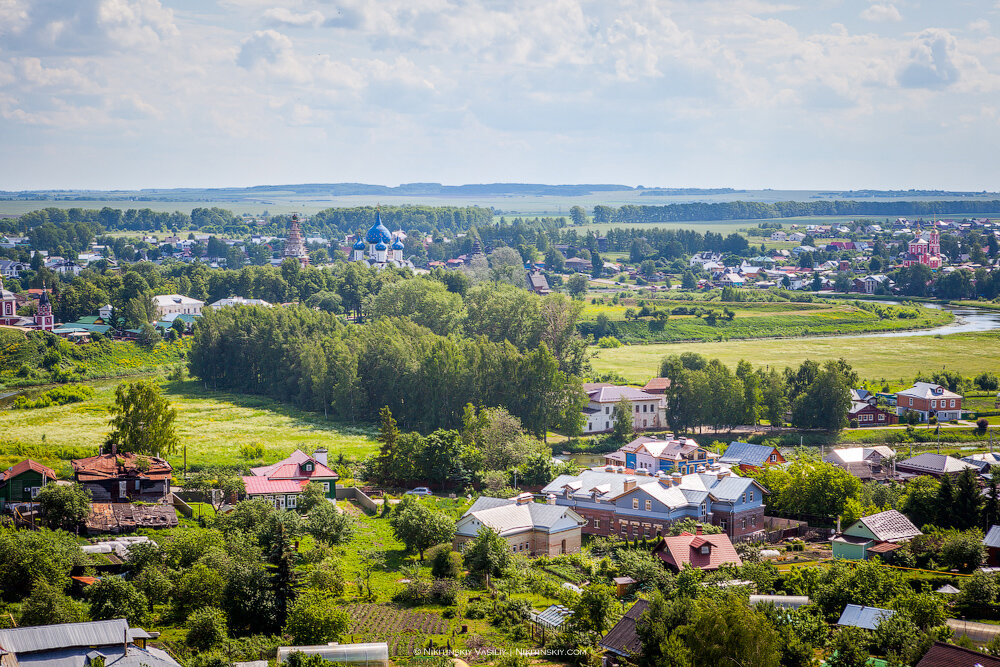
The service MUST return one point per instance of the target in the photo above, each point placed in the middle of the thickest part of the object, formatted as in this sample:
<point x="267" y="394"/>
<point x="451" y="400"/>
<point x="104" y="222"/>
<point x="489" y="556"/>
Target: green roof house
<point x="875" y="535"/>
<point x="21" y="482"/>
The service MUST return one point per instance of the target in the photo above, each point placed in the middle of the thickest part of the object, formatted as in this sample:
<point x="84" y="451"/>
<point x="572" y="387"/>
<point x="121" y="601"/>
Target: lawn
<point x="894" y="359"/>
<point x="213" y="425"/>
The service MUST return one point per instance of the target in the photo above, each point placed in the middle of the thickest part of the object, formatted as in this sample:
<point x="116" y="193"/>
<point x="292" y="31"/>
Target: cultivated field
<point x="874" y="358"/>
<point x="213" y="425"/>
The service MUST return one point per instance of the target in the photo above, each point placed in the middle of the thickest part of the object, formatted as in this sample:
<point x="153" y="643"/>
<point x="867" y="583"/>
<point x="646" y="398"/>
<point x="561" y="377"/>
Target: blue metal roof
<point x="992" y="538"/>
<point x="746" y="454"/>
<point x="863" y="617"/>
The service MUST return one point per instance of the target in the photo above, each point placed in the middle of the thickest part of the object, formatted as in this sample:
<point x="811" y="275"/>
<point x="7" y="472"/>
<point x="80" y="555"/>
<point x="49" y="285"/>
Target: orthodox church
<point x="384" y="248"/>
<point x="8" y="312"/>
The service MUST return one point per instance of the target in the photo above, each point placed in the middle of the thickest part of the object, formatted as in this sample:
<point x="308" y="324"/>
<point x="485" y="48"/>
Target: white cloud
<point x="882" y="12"/>
<point x="931" y="63"/>
<point x="283" y="17"/>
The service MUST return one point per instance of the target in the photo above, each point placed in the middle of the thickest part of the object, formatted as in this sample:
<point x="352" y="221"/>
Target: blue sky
<point x="676" y="93"/>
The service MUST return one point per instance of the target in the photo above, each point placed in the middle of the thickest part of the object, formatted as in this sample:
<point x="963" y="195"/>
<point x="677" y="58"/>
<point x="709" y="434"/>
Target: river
<point x="967" y="320"/>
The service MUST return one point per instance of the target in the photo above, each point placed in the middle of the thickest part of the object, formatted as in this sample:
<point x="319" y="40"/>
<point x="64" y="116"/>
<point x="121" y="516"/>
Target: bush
<point x="854" y="423"/>
<point x="609" y="342"/>
<point x="445" y="563"/>
<point x="113" y="597"/>
<point x="932" y="421"/>
<point x="206" y="628"/>
<point x="314" y="619"/>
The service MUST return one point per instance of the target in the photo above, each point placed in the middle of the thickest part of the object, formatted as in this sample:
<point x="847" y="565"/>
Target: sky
<point x="815" y="94"/>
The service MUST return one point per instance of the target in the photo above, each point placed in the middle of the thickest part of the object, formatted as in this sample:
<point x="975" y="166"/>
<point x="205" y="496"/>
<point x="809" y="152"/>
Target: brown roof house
<point x="124" y="477"/>
<point x="937" y="465"/>
<point x="875" y="535"/>
<point x="704" y="552"/>
<point x="622" y="640"/>
<point x="949" y="655"/>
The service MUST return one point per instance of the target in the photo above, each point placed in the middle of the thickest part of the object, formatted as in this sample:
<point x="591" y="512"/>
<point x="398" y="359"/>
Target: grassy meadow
<point x="874" y="358"/>
<point x="213" y="425"/>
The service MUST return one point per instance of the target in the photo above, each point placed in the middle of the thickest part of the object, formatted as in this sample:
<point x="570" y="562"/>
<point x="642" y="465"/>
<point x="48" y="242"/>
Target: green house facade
<point x="21" y="482"/>
<point x="875" y="535"/>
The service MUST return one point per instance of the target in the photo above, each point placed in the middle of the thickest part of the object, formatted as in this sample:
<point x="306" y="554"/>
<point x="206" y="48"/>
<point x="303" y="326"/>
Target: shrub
<point x="932" y="421"/>
<point x="854" y="423"/>
<point x="113" y="597"/>
<point x="206" y="628"/>
<point x="314" y="619"/>
<point x="445" y="563"/>
<point x="982" y="424"/>
<point x="609" y="342"/>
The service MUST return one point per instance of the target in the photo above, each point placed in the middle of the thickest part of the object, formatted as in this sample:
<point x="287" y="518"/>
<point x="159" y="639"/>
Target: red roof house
<point x="282" y="482"/>
<point x="705" y="552"/>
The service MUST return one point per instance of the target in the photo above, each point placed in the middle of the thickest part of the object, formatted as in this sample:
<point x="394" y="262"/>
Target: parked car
<point x="420" y="491"/>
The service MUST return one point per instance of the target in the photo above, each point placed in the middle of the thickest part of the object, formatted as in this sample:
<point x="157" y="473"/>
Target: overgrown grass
<point x="211" y="424"/>
<point x="877" y="359"/>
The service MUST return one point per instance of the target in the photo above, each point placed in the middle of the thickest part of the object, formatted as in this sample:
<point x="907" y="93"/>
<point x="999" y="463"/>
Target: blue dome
<point x="398" y="245"/>
<point x="378" y="233"/>
<point x="360" y="245"/>
<point x="380" y="246"/>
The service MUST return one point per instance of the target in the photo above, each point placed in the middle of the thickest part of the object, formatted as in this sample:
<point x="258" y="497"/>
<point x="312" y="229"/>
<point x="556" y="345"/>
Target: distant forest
<point x="749" y="210"/>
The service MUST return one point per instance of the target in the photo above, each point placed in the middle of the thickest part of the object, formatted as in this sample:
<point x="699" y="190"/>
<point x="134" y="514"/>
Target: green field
<point x="213" y="425"/>
<point x="780" y="319"/>
<point x="874" y="358"/>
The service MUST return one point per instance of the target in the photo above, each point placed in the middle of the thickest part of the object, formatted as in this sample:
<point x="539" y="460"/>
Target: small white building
<point x="176" y="304"/>
<point x="237" y="301"/>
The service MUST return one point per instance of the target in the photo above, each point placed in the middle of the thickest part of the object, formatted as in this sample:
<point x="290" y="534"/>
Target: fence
<point x="181" y="506"/>
<point x="358" y="495"/>
<point x="779" y="528"/>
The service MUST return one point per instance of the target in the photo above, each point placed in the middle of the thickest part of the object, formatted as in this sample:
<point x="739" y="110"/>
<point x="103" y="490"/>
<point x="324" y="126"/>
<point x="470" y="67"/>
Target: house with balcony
<point x="616" y="502"/>
<point x="929" y="400"/>
<point x="649" y="411"/>
<point x="651" y="454"/>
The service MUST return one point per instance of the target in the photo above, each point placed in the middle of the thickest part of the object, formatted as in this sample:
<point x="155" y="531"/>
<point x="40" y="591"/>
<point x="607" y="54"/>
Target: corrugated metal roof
<point x="746" y="453"/>
<point x="375" y="653"/>
<point x="863" y="617"/>
<point x="992" y="538"/>
<point x="622" y="639"/>
<point x="64" y="635"/>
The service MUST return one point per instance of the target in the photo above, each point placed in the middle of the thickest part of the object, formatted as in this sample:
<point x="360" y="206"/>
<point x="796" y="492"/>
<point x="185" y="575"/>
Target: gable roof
<point x="116" y="466"/>
<point x="858" y="454"/>
<point x="890" y="526"/>
<point x="935" y="463"/>
<point x="256" y="485"/>
<point x="66" y="635"/>
<point x="512" y="517"/>
<point x="622" y="639"/>
<point x="685" y="548"/>
<point x="290" y="468"/>
<point x="746" y="454"/>
<point x="949" y="655"/>
<point x="992" y="538"/>
<point x="23" y="467"/>
<point x="859" y="616"/>
<point x="613" y="394"/>
<point x="928" y="390"/>
<point x="657" y="385"/>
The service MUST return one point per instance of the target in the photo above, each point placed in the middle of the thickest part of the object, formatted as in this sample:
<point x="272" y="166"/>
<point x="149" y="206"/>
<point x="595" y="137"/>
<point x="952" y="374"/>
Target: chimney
<point x="697" y="530"/>
<point x="320" y="455"/>
<point x="629" y="483"/>
<point x="524" y="498"/>
<point x="722" y="473"/>
<point x="550" y="499"/>
<point x="675" y="478"/>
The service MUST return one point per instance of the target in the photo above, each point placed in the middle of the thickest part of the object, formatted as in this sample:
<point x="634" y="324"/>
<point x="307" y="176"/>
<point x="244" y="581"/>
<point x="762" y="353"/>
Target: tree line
<point x="751" y="210"/>
<point x="312" y="359"/>
<point x="706" y="392"/>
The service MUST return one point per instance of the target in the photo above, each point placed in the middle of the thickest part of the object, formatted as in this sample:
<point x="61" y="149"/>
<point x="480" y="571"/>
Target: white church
<point x="384" y="248"/>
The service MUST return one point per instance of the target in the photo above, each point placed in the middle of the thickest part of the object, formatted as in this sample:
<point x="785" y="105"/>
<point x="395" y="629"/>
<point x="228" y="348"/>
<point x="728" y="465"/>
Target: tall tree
<point x="283" y="575"/>
<point x="142" y="420"/>
<point x="419" y="527"/>
<point x="622" y="430"/>
<point x="968" y="505"/>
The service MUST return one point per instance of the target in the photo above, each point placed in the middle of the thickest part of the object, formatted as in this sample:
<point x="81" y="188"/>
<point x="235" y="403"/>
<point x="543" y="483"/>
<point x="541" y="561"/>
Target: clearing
<point x="213" y="425"/>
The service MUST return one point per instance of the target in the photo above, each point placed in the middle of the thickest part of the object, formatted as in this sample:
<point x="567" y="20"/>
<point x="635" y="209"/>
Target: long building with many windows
<point x="630" y="504"/>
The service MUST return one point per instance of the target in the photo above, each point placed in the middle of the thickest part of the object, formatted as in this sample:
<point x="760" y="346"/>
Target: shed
<point x="622" y="584"/>
<point x="375" y="654"/>
<point x="622" y="639"/>
<point x="858" y="616"/>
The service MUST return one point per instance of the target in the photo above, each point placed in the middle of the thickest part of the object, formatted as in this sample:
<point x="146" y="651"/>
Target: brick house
<point x="929" y="400"/>
<point x="615" y="502"/>
<point x="528" y="527"/>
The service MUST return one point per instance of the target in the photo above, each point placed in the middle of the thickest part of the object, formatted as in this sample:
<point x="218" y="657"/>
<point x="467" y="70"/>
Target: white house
<point x="529" y="528"/>
<point x="170" y="304"/>
<point x="648" y="410"/>
<point x="778" y="236"/>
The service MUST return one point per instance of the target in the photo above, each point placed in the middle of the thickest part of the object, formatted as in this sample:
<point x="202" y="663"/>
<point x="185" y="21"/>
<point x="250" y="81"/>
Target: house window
<point x="597" y="524"/>
<point x="644" y="407"/>
<point x="953" y="402"/>
<point x="933" y="404"/>
<point x="750" y="496"/>
<point x="649" y="505"/>
<point x="291" y="501"/>
<point x="744" y="497"/>
<point x="723" y="524"/>
<point x="607" y="410"/>
<point x="911" y="401"/>
<point x="704" y="509"/>
<point x="743" y="522"/>
<point x="753" y="520"/>
<point x="635" y="503"/>
<point x="705" y="549"/>
<point x="35" y="490"/>
<point x="637" y="408"/>
<point x="774" y="458"/>
<point x="326" y="487"/>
